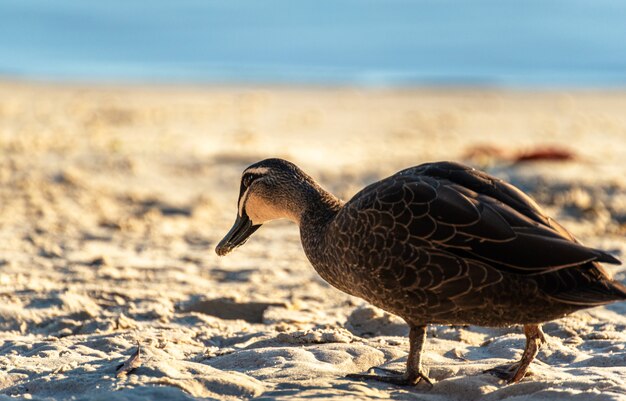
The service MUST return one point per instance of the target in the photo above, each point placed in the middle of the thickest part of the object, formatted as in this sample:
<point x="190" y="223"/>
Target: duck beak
<point x="237" y="236"/>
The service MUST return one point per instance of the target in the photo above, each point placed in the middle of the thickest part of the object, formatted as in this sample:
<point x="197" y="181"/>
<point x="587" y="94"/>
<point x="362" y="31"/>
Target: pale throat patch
<point x="259" y="210"/>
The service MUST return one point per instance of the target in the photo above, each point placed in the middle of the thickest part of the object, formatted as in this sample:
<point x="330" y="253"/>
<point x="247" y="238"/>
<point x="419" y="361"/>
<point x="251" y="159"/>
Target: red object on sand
<point x="550" y="153"/>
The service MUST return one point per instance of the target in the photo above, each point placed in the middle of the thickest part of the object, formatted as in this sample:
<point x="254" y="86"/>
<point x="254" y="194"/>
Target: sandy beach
<point x="112" y="200"/>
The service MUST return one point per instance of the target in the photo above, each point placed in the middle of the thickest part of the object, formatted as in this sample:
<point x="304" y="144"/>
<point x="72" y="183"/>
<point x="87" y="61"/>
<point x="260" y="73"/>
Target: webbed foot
<point x="509" y="373"/>
<point x="516" y="372"/>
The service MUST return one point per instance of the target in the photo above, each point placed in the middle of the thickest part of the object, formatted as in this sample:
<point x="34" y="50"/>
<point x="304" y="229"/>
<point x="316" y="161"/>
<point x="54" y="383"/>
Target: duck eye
<point x="247" y="180"/>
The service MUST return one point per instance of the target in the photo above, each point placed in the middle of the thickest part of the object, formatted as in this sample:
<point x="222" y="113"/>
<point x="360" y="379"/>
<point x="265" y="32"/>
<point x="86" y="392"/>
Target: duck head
<point x="270" y="189"/>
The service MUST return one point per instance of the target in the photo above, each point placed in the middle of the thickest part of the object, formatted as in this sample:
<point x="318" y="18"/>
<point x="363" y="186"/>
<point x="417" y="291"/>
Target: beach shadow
<point x="227" y="308"/>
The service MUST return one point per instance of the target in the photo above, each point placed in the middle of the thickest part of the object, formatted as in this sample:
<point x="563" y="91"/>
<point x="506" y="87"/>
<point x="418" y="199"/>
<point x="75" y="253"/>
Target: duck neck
<point x="320" y="208"/>
<point x="319" y="245"/>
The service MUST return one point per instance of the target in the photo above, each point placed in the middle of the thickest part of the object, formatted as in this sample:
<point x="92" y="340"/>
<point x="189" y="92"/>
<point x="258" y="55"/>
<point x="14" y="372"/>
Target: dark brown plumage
<point x="440" y="243"/>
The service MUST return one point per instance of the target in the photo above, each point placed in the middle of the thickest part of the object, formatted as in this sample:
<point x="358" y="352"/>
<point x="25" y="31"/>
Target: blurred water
<point x="534" y="43"/>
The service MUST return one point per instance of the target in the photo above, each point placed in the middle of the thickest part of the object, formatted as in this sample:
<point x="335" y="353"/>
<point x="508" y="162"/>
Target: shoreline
<point x="209" y="85"/>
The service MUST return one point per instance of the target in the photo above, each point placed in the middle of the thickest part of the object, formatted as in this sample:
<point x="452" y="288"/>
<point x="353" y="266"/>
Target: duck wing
<point x="463" y="212"/>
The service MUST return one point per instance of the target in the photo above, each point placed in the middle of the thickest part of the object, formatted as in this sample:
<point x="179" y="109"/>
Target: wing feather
<point x="470" y="214"/>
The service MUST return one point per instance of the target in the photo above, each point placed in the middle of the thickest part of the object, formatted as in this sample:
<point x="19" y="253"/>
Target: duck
<point x="440" y="243"/>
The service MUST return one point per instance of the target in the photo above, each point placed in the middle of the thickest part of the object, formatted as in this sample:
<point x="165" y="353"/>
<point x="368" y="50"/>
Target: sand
<point x="112" y="200"/>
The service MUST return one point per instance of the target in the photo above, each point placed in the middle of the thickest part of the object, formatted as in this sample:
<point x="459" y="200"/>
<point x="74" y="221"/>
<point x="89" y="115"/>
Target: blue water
<point x="535" y="43"/>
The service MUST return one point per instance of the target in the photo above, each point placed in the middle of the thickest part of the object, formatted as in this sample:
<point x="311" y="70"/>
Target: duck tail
<point x="595" y="287"/>
<point x="594" y="296"/>
<point x="604" y="282"/>
<point x="619" y="289"/>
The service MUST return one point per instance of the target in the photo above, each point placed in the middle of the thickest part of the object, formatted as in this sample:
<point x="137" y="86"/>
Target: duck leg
<point x="516" y="372"/>
<point x="414" y="371"/>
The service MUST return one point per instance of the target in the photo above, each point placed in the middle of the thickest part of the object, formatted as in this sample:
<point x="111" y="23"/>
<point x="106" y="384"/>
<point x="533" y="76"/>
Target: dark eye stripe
<point x="246" y="181"/>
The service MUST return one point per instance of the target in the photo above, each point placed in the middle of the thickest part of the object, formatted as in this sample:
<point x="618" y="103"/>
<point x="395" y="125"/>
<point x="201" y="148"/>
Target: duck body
<point x="444" y="243"/>
<point x="439" y="243"/>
